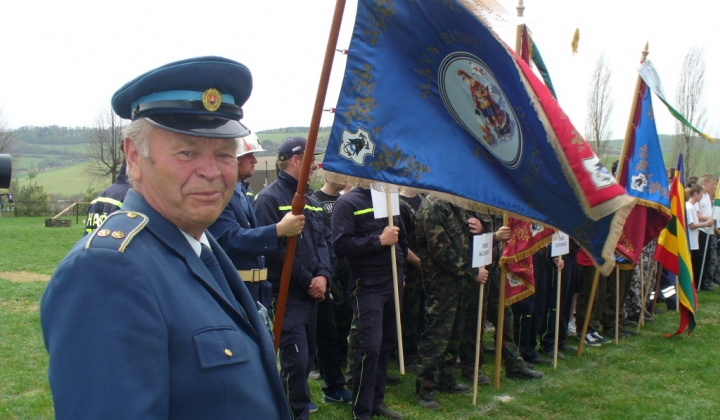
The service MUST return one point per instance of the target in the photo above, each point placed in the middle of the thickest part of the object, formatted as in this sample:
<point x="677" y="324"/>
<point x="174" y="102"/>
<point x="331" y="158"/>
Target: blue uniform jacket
<point x="239" y="234"/>
<point x="137" y="328"/>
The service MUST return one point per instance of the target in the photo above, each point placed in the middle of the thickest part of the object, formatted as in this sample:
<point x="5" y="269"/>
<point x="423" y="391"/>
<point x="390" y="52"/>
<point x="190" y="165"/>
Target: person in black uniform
<point x="108" y="201"/>
<point x="334" y="314"/>
<point x="238" y="233"/>
<point x="311" y="273"/>
<point x="366" y="243"/>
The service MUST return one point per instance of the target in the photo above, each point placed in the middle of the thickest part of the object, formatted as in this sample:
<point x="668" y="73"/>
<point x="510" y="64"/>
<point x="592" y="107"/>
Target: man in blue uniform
<point x="311" y="273"/>
<point x="366" y="243"/>
<point x="147" y="318"/>
<point x="238" y="233"/>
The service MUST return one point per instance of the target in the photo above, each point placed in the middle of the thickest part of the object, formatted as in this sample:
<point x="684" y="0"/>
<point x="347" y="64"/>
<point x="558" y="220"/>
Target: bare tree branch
<point x="600" y="106"/>
<point x="689" y="98"/>
<point x="105" y="147"/>
<point x="6" y="138"/>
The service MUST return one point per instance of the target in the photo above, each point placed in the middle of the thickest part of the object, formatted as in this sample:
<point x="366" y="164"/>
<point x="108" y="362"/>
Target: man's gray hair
<point x="139" y="132"/>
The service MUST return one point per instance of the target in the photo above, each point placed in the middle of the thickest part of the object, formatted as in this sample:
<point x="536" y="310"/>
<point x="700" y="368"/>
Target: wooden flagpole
<point x="503" y="271"/>
<point x="617" y="303"/>
<point x="629" y="130"/>
<point x="396" y="290"/>
<point x="644" y="297"/>
<point x="588" y="313"/>
<point x="557" y="316"/>
<point x="478" y="338"/>
<point x="657" y="286"/>
<point x="500" y="319"/>
<point x="298" y="203"/>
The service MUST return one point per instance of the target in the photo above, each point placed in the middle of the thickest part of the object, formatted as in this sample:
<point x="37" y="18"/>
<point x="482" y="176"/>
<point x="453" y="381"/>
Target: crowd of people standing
<point x="165" y="308"/>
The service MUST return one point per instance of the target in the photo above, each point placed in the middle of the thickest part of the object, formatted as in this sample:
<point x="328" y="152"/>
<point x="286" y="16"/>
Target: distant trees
<point x="6" y="138"/>
<point x="105" y="147"/>
<point x="600" y="106"/>
<point x="689" y="97"/>
<point x="31" y="198"/>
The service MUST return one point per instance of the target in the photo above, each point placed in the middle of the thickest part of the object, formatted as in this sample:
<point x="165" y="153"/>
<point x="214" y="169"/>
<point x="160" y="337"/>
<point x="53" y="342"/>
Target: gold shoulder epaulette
<point x="117" y="230"/>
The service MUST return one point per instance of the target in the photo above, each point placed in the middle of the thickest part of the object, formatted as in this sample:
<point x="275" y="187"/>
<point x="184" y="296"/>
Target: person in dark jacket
<point x="334" y="314"/>
<point x="311" y="273"/>
<point x="239" y="234"/>
<point x="108" y="201"/>
<point x="366" y="243"/>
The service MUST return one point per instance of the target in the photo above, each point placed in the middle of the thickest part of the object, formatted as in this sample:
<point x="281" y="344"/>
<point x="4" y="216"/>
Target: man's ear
<point x="132" y="157"/>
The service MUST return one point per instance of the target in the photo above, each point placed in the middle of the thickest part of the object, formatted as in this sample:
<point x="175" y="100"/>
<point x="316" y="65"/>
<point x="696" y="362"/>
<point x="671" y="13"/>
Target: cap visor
<point x="200" y="126"/>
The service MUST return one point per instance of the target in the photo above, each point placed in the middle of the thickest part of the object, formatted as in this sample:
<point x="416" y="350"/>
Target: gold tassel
<point x="575" y="41"/>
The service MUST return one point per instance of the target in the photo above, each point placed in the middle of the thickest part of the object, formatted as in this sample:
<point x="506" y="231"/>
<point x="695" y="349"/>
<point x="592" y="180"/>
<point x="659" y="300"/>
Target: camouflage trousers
<point x="412" y="313"/>
<point x="640" y="285"/>
<point x="440" y="339"/>
<point x="510" y="352"/>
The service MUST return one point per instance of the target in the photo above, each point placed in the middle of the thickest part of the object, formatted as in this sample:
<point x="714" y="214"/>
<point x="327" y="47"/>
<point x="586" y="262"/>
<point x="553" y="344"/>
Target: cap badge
<point x="212" y="99"/>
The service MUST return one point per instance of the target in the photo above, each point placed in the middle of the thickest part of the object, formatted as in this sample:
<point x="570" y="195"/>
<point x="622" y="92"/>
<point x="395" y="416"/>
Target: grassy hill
<point x="69" y="181"/>
<point x="58" y="154"/>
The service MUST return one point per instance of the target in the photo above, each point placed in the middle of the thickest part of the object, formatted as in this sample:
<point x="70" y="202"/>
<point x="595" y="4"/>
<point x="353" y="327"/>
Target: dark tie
<point x="213" y="266"/>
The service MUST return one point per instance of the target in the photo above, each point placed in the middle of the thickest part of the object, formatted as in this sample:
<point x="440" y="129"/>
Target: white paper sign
<point x="560" y="244"/>
<point x="482" y="250"/>
<point x="379" y="199"/>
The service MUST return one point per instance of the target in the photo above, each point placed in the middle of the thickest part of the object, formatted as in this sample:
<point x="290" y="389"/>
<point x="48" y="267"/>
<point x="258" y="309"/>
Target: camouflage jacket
<point x="444" y="240"/>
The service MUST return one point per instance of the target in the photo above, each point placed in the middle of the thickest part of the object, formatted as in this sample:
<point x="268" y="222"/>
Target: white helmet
<point x="248" y="144"/>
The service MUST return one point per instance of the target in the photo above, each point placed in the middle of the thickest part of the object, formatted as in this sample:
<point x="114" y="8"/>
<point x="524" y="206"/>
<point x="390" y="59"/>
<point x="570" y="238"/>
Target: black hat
<point x="292" y="146"/>
<point x="200" y="96"/>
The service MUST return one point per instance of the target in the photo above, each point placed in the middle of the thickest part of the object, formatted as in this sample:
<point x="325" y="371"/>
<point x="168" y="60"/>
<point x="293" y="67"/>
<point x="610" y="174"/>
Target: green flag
<point x="649" y="75"/>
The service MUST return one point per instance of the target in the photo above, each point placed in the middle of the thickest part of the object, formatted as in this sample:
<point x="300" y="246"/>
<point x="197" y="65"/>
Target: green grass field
<point x="644" y="377"/>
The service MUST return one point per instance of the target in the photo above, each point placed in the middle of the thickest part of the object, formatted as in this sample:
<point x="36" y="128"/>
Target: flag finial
<point x="575" y="41"/>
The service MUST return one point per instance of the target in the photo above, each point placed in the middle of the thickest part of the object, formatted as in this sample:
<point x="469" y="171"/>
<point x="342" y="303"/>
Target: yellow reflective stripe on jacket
<point x="307" y="207"/>
<point x="363" y="211"/>
<point x="107" y="200"/>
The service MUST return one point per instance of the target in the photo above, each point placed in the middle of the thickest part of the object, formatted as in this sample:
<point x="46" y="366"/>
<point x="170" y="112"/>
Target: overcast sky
<point x="62" y="60"/>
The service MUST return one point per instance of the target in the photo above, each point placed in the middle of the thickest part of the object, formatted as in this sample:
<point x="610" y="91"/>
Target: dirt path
<point x="23" y="276"/>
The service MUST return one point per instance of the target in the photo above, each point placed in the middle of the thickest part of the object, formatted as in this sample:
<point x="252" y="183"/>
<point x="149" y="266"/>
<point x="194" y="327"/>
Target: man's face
<point x="188" y="180"/>
<point x="246" y="166"/>
<point x="708" y="186"/>
<point x="313" y="165"/>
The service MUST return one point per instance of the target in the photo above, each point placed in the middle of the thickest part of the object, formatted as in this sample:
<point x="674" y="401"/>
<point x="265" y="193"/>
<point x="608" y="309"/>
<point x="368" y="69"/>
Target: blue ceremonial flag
<point x="643" y="174"/>
<point x="434" y="100"/>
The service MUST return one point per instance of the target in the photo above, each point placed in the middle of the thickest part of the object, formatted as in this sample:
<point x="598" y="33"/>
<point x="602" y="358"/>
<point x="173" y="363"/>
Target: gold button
<point x="118" y="235"/>
<point x="228" y="353"/>
<point x="132" y="215"/>
<point x="103" y="232"/>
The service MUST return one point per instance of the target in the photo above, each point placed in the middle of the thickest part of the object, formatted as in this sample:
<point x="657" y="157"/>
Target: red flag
<point x="526" y="239"/>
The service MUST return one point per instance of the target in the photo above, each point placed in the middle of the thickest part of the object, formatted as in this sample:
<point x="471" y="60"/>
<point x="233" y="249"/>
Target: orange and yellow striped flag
<point x="673" y="252"/>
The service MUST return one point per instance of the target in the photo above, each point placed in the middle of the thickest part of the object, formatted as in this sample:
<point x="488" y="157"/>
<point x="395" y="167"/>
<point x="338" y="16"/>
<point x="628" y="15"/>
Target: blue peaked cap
<point x="200" y="96"/>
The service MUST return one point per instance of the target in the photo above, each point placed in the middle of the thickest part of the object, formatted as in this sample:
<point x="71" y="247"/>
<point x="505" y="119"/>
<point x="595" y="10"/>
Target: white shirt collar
<point x="194" y="243"/>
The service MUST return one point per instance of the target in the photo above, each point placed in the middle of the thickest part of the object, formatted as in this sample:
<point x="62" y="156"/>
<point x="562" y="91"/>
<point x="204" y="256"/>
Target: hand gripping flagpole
<point x="396" y="290"/>
<point x="298" y="203"/>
